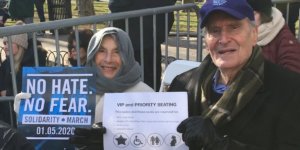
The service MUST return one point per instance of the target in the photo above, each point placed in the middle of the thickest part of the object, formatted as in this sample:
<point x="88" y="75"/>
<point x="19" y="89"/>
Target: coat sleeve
<point x="119" y="5"/>
<point x="12" y="139"/>
<point x="179" y="82"/>
<point x="288" y="51"/>
<point x="288" y="131"/>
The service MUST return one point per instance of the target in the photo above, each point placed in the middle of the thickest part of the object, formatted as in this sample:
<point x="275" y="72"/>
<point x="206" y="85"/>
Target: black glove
<point x="198" y="133"/>
<point x="89" y="138"/>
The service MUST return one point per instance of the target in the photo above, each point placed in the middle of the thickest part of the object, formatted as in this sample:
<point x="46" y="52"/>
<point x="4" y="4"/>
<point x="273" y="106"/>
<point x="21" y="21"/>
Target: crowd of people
<point x="244" y="95"/>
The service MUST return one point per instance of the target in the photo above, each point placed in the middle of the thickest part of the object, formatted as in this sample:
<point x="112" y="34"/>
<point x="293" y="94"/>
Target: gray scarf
<point x="130" y="72"/>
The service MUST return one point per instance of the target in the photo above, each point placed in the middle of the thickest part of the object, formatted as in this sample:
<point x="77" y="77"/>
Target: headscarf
<point x="19" y="39"/>
<point x="130" y="71"/>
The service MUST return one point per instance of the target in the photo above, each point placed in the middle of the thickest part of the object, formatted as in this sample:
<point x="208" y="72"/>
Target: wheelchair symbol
<point x="138" y="140"/>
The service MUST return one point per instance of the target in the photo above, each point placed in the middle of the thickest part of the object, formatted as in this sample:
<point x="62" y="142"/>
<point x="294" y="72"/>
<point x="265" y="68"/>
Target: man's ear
<point x="205" y="42"/>
<point x="255" y="35"/>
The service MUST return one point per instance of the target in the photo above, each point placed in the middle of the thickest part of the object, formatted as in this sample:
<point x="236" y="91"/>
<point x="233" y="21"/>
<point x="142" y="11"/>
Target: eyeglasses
<point x="70" y="47"/>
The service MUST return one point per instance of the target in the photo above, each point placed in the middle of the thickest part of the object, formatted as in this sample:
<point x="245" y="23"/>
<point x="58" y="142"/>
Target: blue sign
<point x="63" y="98"/>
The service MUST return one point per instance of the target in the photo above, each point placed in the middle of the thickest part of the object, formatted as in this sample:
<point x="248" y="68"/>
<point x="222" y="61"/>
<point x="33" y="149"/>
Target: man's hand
<point x="198" y="133"/>
<point x="89" y="138"/>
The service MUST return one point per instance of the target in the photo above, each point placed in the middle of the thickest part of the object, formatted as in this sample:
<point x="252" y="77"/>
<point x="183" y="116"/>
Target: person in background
<point x="39" y="5"/>
<point x="84" y="38"/>
<point x="148" y="43"/>
<point x="3" y="16"/>
<point x="293" y="14"/>
<point x="278" y="43"/>
<point x="21" y="10"/>
<point x="237" y="99"/>
<point x="23" y="55"/>
<point x="86" y="8"/>
<point x="111" y="52"/>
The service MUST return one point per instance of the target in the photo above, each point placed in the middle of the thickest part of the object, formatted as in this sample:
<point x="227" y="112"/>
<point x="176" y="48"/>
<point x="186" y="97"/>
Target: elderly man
<point x="238" y="100"/>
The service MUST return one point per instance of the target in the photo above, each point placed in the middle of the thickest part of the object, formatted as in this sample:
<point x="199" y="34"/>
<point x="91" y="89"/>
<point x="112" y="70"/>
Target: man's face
<point x="229" y="41"/>
<point x="108" y="58"/>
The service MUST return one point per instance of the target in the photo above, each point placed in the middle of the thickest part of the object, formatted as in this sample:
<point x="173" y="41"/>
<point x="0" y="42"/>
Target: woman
<point x="85" y="36"/>
<point x="110" y="51"/>
<point x="22" y="52"/>
<point x="278" y="43"/>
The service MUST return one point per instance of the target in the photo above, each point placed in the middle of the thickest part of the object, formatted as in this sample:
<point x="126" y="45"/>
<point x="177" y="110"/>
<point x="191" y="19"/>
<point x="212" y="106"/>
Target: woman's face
<point x="15" y="48"/>
<point x="108" y="58"/>
<point x="82" y="52"/>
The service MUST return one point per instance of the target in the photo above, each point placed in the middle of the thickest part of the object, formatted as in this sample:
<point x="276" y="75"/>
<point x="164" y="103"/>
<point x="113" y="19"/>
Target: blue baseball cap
<point x="239" y="9"/>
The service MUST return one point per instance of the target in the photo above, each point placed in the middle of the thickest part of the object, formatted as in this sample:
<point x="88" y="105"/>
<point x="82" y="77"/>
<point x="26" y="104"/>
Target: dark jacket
<point x="270" y="121"/>
<point x="20" y="9"/>
<point x="284" y="50"/>
<point x="4" y="15"/>
<point x="10" y="139"/>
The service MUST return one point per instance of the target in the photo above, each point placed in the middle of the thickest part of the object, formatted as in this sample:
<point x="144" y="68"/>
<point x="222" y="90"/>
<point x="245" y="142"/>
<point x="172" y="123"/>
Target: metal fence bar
<point x="77" y="45"/>
<point x="177" y="34"/>
<point x="36" y="58"/>
<point x="154" y="51"/>
<point x="166" y="40"/>
<point x="58" y="62"/>
<point x="299" y="26"/>
<point x="142" y="46"/>
<point x="188" y="34"/>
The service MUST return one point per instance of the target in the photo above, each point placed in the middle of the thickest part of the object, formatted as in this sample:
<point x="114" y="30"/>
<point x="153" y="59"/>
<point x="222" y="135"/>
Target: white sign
<point x="144" y="121"/>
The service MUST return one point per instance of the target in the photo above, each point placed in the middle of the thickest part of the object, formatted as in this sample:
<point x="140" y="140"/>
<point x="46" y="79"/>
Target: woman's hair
<point x="264" y="8"/>
<point x="18" y="58"/>
<point x="112" y="36"/>
<point x="85" y="36"/>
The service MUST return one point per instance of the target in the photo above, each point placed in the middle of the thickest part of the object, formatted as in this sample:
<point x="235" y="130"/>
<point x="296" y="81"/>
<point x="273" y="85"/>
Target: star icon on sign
<point x="121" y="140"/>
